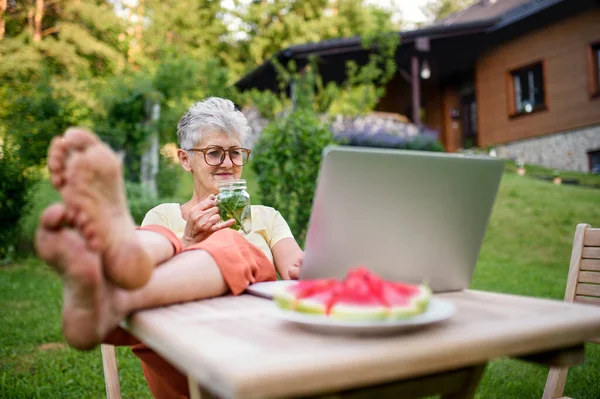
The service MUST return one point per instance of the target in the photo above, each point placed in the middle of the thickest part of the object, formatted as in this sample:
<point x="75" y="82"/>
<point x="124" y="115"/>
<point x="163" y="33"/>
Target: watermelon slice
<point x="360" y="296"/>
<point x="314" y="294"/>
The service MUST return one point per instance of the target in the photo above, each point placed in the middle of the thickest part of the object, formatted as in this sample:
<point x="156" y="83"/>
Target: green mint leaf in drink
<point x="234" y="203"/>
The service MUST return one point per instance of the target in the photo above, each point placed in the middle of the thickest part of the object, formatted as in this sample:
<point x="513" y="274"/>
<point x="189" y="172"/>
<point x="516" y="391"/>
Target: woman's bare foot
<point x="88" y="175"/>
<point x="91" y="305"/>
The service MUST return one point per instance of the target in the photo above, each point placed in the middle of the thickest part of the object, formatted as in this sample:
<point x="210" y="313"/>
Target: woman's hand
<point x="296" y="267"/>
<point x="288" y="258"/>
<point x="203" y="220"/>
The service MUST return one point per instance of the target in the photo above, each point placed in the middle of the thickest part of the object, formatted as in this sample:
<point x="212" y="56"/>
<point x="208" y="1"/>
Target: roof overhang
<point x="468" y="39"/>
<point x="340" y="50"/>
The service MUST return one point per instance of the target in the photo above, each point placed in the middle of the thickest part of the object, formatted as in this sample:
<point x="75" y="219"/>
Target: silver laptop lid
<point x="409" y="216"/>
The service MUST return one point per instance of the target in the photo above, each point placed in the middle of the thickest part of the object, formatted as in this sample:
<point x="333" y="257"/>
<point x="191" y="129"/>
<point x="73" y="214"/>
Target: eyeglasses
<point x="215" y="155"/>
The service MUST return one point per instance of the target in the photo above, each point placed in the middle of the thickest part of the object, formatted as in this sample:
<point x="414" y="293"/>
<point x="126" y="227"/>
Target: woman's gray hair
<point x="210" y="115"/>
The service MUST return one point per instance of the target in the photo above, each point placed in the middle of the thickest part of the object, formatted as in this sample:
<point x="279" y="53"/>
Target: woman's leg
<point x="92" y="243"/>
<point x="103" y="257"/>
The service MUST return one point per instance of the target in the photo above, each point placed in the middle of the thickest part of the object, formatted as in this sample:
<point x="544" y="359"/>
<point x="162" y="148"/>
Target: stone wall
<point x="562" y="151"/>
<point x="373" y="123"/>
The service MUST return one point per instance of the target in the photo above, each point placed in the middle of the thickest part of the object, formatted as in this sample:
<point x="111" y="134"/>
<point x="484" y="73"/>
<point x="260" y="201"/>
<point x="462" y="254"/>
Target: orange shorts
<point x="241" y="264"/>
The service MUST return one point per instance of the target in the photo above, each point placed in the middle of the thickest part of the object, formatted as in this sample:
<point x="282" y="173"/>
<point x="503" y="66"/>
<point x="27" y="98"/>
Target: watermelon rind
<point x="310" y="306"/>
<point x="285" y="299"/>
<point x="417" y="305"/>
<point x="356" y="313"/>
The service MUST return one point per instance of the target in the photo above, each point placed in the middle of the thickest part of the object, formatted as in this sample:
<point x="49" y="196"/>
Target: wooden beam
<point x="559" y="358"/>
<point x="592" y="236"/>
<point x="111" y="374"/>
<point x="590" y="265"/>
<point x="452" y="384"/>
<point x="416" y="91"/>
<point x="587" y="289"/>
<point x="591" y="252"/>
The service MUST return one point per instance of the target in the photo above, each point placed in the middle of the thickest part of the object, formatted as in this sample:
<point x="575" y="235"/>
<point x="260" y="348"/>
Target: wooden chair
<point x="582" y="286"/>
<point x="111" y="374"/>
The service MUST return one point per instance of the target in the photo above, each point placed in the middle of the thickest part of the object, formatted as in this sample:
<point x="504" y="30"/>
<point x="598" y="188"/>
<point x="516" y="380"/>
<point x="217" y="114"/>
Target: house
<point x="519" y="76"/>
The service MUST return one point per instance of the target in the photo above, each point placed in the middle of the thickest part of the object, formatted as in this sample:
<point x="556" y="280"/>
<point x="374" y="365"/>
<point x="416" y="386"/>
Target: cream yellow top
<point x="268" y="226"/>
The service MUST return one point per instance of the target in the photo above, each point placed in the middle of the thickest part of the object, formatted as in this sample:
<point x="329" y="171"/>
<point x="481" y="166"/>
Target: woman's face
<point x="207" y="177"/>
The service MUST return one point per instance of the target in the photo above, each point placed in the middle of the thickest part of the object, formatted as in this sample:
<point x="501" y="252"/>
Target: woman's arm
<point x="288" y="258"/>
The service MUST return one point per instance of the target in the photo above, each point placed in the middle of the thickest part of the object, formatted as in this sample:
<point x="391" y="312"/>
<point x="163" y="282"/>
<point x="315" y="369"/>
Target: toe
<point x="88" y="231"/>
<point x="80" y="138"/>
<point x="57" y="181"/>
<point x="70" y="216"/>
<point x="53" y="216"/>
<point x="56" y="144"/>
<point x="48" y="233"/>
<point x="93" y="241"/>
<point x="56" y="162"/>
<point x="57" y="154"/>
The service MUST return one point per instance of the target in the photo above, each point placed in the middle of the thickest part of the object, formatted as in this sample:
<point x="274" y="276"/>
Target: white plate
<point x="267" y="289"/>
<point x="438" y="310"/>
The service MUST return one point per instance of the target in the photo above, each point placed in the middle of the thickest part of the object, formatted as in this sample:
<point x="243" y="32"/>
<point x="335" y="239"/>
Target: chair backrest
<point x="583" y="283"/>
<point x="111" y="374"/>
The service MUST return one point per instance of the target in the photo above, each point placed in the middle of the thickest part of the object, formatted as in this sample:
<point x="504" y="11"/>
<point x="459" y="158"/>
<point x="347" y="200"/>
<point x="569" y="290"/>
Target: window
<point x="594" y="66"/>
<point x="527" y="85"/>
<point x="594" y="160"/>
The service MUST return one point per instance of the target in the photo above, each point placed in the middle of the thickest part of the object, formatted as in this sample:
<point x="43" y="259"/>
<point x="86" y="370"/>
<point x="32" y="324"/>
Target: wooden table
<point x="237" y="347"/>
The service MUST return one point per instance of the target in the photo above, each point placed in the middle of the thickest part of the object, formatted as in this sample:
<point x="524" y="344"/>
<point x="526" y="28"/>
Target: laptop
<point x="408" y="216"/>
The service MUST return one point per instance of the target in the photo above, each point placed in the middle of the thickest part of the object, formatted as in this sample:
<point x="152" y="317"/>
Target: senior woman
<point x="210" y="136"/>
<point x="111" y="268"/>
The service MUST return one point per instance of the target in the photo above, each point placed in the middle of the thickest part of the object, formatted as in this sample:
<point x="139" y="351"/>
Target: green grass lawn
<point x="583" y="179"/>
<point x="526" y="251"/>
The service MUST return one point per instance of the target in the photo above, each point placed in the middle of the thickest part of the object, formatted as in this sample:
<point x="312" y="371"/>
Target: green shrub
<point x="139" y="200"/>
<point x="286" y="161"/>
<point x="15" y="182"/>
<point x="168" y="177"/>
<point x="41" y="195"/>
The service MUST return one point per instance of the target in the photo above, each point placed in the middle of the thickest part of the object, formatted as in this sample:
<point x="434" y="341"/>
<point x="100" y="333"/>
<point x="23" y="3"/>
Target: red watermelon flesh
<point x="309" y="288"/>
<point x="387" y="292"/>
<point x="354" y="298"/>
<point x="315" y="292"/>
<point x="375" y="283"/>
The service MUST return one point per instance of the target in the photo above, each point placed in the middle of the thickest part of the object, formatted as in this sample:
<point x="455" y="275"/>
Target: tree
<point x="74" y="38"/>
<point x="52" y="56"/>
<point x="364" y="84"/>
<point x="3" y="7"/>
<point x="270" y="26"/>
<point x="189" y="28"/>
<point x="436" y="10"/>
<point x="34" y="112"/>
<point x="172" y="84"/>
